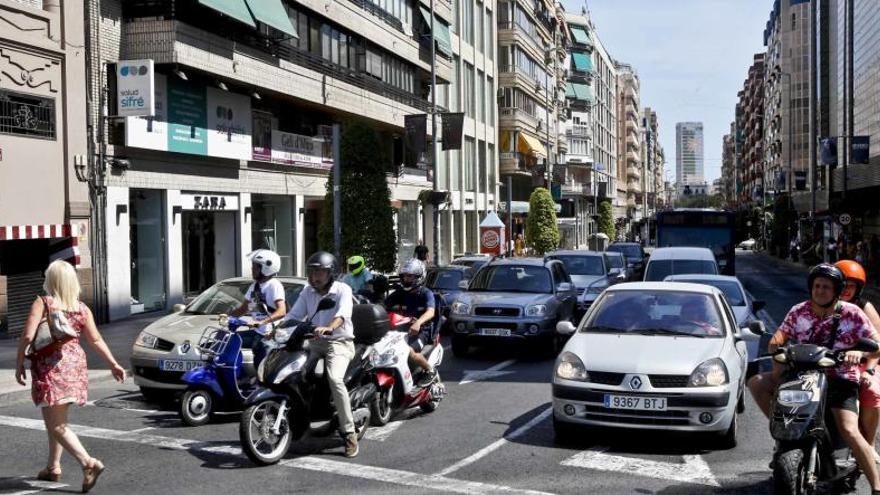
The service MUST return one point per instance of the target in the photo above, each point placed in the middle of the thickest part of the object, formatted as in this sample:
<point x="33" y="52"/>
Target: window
<point x="481" y="97"/>
<point x="468" y="152"/>
<point x="27" y="115"/>
<point x="490" y="99"/>
<point x="490" y="36"/>
<point x="481" y="165"/>
<point x="455" y="102"/>
<point x="470" y="103"/>
<point x="467" y="32"/>
<point x="480" y="23"/>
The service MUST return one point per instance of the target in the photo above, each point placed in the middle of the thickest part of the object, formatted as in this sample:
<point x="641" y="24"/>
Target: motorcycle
<point x="291" y="394"/>
<point x="397" y="388"/>
<point x="802" y="425"/>
<point x="224" y="381"/>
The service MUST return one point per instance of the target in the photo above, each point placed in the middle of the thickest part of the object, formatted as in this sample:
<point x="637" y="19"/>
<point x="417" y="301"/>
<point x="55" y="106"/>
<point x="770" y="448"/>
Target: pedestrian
<point x="519" y="245"/>
<point x="793" y="249"/>
<point x="421" y="252"/>
<point x="59" y="372"/>
<point x="831" y="248"/>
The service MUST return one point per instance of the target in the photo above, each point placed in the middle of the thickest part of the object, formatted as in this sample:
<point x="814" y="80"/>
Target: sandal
<point x="91" y="473"/>
<point x="50" y="474"/>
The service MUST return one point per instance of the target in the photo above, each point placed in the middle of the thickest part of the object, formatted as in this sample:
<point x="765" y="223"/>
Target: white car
<point x="747" y="244"/>
<point x="653" y="356"/>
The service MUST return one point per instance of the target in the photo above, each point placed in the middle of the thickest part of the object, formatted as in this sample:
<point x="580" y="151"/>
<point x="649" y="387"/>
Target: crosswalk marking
<point x="39" y="486"/>
<point x="693" y="470"/>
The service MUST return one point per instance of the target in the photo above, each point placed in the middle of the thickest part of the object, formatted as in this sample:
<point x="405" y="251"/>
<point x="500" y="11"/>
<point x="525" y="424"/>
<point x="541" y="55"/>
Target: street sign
<point x="135" y="86"/>
<point x="844" y="219"/>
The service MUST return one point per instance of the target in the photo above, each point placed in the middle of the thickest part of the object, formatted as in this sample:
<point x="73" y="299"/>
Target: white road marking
<point x="381" y="433"/>
<point x="471" y="376"/>
<point x="141" y="430"/>
<point x="310" y="463"/>
<point x="35" y="483"/>
<point x="497" y="444"/>
<point x="693" y="470"/>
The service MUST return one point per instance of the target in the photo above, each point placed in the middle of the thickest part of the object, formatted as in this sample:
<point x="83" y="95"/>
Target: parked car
<point x="635" y="257"/>
<point x="447" y="282"/>
<point x="166" y="349"/>
<point x="678" y="260"/>
<point x="653" y="356"/>
<point x="618" y="268"/>
<point x="591" y="274"/>
<point x="513" y="300"/>
<point x="748" y="244"/>
<point x="475" y="261"/>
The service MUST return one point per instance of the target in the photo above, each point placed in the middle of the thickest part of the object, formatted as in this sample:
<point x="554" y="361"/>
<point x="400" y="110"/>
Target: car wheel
<point x="459" y="346"/>
<point x="727" y="440"/>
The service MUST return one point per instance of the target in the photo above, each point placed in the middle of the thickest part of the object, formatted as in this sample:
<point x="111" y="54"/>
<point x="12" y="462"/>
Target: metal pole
<point x="435" y="205"/>
<point x="337" y="193"/>
<point x="511" y="245"/>
<point x="813" y="115"/>
<point x="850" y="102"/>
<point x="790" y="168"/>
<point x="547" y="115"/>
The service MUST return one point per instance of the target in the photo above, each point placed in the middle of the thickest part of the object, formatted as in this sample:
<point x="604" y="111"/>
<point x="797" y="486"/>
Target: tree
<point x="606" y="220"/>
<point x="542" y="229"/>
<point x="367" y="214"/>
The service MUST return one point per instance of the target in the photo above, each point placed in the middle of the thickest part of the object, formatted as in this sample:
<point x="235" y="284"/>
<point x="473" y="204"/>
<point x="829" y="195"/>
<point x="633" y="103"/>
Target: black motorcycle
<point x="291" y="394"/>
<point x="804" y="428"/>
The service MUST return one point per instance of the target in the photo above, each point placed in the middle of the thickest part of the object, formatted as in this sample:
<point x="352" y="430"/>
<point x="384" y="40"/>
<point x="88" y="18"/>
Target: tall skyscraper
<point x="689" y="153"/>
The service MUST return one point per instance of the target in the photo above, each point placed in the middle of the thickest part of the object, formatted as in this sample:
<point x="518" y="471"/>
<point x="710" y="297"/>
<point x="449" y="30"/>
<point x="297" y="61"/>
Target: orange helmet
<point x="852" y="270"/>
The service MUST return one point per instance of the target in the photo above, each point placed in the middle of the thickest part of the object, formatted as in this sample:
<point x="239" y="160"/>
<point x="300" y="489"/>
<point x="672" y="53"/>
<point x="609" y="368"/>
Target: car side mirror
<point x="565" y="328"/>
<point x="564" y="287"/>
<point x="463" y="284"/>
<point x="758" y="305"/>
<point x="757" y="328"/>
<point x="178" y="308"/>
<point x="614" y="272"/>
<point x="866" y="345"/>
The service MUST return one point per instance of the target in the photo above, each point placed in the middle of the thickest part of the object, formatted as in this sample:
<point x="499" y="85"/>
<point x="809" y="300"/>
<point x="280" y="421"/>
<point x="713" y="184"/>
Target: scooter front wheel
<point x="196" y="407"/>
<point x="790" y="473"/>
<point x="259" y="440"/>
<point x="381" y="407"/>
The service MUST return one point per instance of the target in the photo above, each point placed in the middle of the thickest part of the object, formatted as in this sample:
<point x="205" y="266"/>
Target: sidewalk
<point x="119" y="336"/>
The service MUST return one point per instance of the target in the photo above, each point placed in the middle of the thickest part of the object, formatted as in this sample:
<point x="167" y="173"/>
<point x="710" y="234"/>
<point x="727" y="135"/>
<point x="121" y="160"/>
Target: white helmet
<point x="268" y="260"/>
<point x="413" y="267"/>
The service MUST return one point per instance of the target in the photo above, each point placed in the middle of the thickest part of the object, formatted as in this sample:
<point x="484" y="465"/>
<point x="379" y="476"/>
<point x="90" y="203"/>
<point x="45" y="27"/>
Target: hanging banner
<point x="135" y="88"/>
<point x="828" y="150"/>
<point x="602" y="189"/>
<point x="296" y="149"/>
<point x="453" y="126"/>
<point x="800" y="180"/>
<point x="416" y="131"/>
<point x="860" y="147"/>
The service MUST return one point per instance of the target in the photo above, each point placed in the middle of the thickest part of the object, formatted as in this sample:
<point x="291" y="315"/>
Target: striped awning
<point x="63" y="239"/>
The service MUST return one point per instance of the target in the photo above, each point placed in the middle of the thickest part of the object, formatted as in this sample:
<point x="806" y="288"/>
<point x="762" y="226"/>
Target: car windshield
<point x="513" y="278"/>
<point x="731" y="290"/>
<point x="227" y="296"/>
<point x="582" y="265"/>
<point x="444" y="279"/>
<point x="687" y="314"/>
<point x="616" y="261"/>
<point x="630" y="251"/>
<point x="660" y="269"/>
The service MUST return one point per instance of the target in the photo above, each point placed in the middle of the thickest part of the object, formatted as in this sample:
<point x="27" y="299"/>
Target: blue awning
<point x="272" y="13"/>
<point x="236" y="9"/>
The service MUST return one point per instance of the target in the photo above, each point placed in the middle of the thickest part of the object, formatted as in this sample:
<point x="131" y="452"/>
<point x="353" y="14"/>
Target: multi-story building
<point x="728" y="166"/>
<point x="605" y="128"/>
<point x="757" y="178"/>
<point x="688" y="155"/>
<point x="787" y="98"/>
<point x="629" y="145"/>
<point x="237" y="155"/>
<point x="44" y="199"/>
<point x="653" y="160"/>
<point x="530" y="52"/>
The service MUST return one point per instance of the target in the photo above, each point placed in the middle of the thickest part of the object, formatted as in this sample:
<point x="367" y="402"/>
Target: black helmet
<point x="830" y="272"/>
<point x="322" y="260"/>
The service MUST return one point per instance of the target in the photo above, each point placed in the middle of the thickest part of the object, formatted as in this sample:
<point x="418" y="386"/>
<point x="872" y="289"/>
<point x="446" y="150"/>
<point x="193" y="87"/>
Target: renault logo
<point x="635" y="383"/>
<point x="185" y="347"/>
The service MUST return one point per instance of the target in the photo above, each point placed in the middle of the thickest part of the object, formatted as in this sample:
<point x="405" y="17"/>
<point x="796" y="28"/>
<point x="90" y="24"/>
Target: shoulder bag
<point x="53" y="330"/>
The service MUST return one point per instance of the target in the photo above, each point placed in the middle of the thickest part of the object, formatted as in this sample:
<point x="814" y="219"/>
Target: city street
<point x="491" y="434"/>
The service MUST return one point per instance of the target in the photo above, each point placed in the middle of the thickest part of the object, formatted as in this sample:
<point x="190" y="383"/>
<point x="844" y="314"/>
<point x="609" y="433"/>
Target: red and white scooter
<point x="397" y="388"/>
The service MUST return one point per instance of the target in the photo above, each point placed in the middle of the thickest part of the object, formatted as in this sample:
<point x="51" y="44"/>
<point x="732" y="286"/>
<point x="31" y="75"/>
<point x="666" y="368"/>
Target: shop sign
<point x="134" y="88"/>
<point x="209" y="202"/>
<point x="296" y="149"/>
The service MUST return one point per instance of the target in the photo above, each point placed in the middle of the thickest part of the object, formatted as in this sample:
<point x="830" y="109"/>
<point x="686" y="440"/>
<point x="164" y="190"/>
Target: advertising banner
<point x="229" y="125"/>
<point x="860" y="151"/>
<point x="134" y="88"/>
<point x="187" y="118"/>
<point x="296" y="149"/>
<point x="151" y="132"/>
<point x="453" y="126"/>
<point x="828" y="150"/>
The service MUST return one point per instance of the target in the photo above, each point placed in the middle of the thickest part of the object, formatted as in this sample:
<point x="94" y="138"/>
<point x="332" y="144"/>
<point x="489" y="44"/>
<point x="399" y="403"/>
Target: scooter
<point x="397" y="388"/>
<point x="224" y="381"/>
<point x="802" y="425"/>
<point x="292" y="393"/>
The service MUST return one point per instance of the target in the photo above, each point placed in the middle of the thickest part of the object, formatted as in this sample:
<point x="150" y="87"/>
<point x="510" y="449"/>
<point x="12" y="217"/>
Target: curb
<point x="13" y="393"/>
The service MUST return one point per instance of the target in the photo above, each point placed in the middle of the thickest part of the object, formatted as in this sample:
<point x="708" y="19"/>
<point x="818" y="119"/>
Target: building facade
<point x="605" y="142"/>
<point x="689" y="154"/>
<point x="44" y="197"/>
<point x="653" y="169"/>
<point x="629" y="143"/>
<point x="758" y="179"/>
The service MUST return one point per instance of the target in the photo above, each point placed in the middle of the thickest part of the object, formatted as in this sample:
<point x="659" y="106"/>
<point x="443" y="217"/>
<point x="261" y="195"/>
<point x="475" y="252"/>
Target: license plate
<point x="496" y="332"/>
<point x="635" y="403"/>
<point x="166" y="365"/>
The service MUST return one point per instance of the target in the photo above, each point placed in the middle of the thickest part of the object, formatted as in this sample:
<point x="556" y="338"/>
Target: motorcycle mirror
<point x="326" y="303"/>
<point x="565" y="328"/>
<point x="757" y="327"/>
<point x="866" y="345"/>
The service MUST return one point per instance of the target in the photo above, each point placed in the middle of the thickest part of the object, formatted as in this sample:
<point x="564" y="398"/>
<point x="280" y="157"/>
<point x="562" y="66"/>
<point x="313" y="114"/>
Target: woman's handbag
<point x="53" y="329"/>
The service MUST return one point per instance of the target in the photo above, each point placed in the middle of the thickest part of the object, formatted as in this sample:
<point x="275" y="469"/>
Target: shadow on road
<point x="754" y="483"/>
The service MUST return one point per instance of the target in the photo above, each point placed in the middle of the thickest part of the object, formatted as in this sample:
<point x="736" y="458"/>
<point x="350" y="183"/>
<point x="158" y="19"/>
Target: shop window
<point x="272" y="228"/>
<point x="147" y="249"/>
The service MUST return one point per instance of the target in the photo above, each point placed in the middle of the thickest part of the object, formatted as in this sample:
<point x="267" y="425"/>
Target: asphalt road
<point x="491" y="434"/>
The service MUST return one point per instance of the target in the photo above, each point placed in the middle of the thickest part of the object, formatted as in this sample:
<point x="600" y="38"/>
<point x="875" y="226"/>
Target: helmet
<point x="854" y="271"/>
<point x="356" y="264"/>
<point x="268" y="260"/>
<point x="413" y="267"/>
<point x="830" y="272"/>
<point x="322" y="260"/>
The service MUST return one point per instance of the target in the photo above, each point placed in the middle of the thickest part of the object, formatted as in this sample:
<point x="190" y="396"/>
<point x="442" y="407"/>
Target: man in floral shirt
<point x="812" y="322"/>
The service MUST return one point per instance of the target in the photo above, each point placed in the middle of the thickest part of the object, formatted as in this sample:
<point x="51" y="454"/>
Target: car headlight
<point x="460" y="308"/>
<point x="794" y="397"/>
<point x="536" y="310"/>
<point x="146" y="340"/>
<point x="387" y="359"/>
<point x="282" y="335"/>
<point x="709" y="374"/>
<point x="570" y="367"/>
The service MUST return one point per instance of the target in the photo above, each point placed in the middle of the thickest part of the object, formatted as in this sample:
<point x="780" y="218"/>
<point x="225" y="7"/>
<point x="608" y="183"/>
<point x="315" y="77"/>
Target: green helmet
<point x="356" y="264"/>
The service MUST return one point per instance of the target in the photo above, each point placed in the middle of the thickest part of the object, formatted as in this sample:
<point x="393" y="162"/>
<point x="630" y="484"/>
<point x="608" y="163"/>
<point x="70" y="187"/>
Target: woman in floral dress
<point x="59" y="373"/>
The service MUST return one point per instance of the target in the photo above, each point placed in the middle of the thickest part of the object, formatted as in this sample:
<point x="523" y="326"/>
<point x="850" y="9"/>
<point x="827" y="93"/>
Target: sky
<point x="692" y="57"/>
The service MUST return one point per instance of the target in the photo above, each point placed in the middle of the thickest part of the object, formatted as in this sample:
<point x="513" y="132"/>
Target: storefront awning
<point x="272" y="13"/>
<point x="530" y="145"/>
<point x="579" y="91"/>
<point x="522" y="207"/>
<point x="582" y="62"/>
<point x="64" y="239"/>
<point x="236" y="9"/>
<point x="441" y="32"/>
<point x="580" y="35"/>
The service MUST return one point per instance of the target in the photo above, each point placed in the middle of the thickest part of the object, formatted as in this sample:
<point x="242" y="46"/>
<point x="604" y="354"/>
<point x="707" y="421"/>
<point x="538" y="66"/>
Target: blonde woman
<point x="59" y="374"/>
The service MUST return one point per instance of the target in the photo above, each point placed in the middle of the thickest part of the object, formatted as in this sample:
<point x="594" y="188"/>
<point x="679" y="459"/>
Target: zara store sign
<point x="209" y="201"/>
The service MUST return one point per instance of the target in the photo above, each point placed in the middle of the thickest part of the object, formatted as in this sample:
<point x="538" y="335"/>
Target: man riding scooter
<point x="827" y="321"/>
<point x="416" y="301"/>
<point x="264" y="301"/>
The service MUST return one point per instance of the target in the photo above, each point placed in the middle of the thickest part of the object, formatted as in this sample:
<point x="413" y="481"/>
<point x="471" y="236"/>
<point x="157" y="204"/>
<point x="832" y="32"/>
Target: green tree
<point x="606" y="220"/>
<point x="784" y="223"/>
<point x="542" y="229"/>
<point x="367" y="214"/>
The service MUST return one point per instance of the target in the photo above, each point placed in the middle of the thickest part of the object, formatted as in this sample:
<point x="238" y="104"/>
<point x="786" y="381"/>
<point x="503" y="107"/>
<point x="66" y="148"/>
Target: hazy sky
<point x="692" y="57"/>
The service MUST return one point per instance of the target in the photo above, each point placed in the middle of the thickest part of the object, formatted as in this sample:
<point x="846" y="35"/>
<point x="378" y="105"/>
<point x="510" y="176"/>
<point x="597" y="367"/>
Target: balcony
<point x="633" y="187"/>
<point x="516" y="164"/>
<point x="633" y="171"/>
<point x="632" y="140"/>
<point x="512" y="117"/>
<point x="575" y="189"/>
<point x="632" y="156"/>
<point x="579" y="131"/>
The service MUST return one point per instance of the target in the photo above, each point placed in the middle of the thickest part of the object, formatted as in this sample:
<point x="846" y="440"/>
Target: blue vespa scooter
<point x="222" y="383"/>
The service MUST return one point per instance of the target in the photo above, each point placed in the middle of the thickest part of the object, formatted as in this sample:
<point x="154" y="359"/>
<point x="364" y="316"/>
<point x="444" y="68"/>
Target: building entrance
<point x="208" y="249"/>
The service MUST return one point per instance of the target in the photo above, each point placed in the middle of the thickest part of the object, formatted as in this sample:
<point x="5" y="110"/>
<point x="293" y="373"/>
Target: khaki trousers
<point x="337" y="355"/>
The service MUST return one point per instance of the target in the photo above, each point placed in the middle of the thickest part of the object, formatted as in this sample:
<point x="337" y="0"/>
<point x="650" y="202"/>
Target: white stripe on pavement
<point x="693" y="470"/>
<point x="486" y="374"/>
<point x="311" y="463"/>
<point x="35" y="483"/>
<point x="497" y="444"/>
<point x="381" y="433"/>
